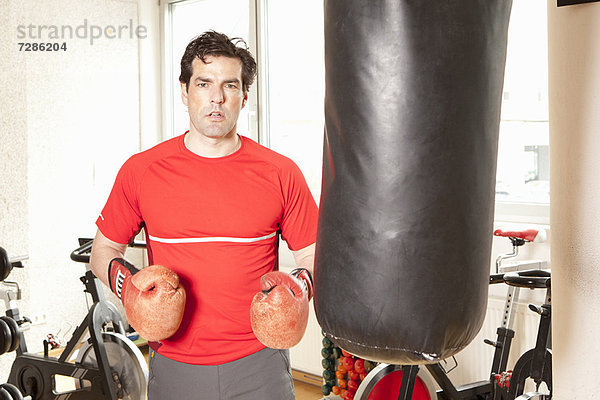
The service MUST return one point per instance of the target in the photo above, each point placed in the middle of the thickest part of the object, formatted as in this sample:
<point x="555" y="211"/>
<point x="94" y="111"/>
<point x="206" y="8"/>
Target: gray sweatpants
<point x="265" y="375"/>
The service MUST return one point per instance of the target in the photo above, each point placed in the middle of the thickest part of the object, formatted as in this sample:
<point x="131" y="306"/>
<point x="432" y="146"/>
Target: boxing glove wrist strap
<point x="305" y="276"/>
<point x="118" y="270"/>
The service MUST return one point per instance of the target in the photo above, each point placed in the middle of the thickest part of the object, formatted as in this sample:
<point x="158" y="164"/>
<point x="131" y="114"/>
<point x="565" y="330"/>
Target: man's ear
<point x="245" y="100"/>
<point x="184" y="93"/>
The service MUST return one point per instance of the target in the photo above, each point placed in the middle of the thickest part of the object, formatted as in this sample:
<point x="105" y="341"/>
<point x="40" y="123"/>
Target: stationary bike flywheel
<point x="124" y="359"/>
<point x="384" y="381"/>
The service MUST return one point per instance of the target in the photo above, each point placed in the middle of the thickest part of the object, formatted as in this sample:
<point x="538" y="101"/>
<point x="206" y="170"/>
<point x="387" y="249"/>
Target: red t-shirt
<point x="214" y="221"/>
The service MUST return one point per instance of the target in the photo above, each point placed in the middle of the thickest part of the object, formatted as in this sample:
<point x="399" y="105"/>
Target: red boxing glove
<point x="279" y="313"/>
<point x="153" y="299"/>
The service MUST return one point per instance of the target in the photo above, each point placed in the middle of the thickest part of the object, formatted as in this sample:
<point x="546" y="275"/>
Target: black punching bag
<point x="412" y="110"/>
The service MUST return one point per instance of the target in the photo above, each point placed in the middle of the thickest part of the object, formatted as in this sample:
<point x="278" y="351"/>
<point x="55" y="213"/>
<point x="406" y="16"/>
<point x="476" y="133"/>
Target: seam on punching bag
<point x="426" y="356"/>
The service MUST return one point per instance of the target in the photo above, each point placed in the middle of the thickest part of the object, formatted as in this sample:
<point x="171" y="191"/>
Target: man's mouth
<point x="215" y="114"/>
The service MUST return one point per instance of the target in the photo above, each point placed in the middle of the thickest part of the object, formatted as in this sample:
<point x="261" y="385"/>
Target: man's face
<point x="214" y="97"/>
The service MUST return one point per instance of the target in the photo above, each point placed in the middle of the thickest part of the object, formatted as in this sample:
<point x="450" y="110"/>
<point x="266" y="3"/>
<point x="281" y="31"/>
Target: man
<point x="212" y="204"/>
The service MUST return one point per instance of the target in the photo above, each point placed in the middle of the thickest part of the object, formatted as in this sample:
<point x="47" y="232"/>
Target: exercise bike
<point x="99" y="359"/>
<point x="535" y="364"/>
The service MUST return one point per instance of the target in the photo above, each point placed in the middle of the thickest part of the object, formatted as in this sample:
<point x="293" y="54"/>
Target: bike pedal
<point x="503" y="379"/>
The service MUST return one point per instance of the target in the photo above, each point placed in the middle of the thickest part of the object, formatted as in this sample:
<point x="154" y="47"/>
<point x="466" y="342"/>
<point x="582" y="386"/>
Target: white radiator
<point x="306" y="356"/>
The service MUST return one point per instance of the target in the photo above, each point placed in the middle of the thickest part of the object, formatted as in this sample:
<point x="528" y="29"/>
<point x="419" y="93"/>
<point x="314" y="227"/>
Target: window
<point x="182" y="21"/>
<point x="523" y="174"/>
<point x="295" y="116"/>
<point x="296" y="86"/>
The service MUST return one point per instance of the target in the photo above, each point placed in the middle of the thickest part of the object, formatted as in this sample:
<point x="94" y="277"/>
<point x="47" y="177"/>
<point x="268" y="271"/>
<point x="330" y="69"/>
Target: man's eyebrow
<point x="204" y="79"/>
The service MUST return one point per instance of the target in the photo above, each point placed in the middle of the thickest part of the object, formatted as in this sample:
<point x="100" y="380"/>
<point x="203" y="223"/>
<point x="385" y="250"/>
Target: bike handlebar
<point x="496" y="278"/>
<point x="82" y="253"/>
<point x="532" y="279"/>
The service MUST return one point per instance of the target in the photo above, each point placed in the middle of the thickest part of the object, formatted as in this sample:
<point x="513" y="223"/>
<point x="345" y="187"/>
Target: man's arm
<point x="153" y="299"/>
<point x="103" y="251"/>
<point x="305" y="258"/>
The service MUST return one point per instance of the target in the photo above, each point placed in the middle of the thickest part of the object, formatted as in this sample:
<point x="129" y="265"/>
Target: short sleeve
<point x="121" y="219"/>
<point x="299" y="222"/>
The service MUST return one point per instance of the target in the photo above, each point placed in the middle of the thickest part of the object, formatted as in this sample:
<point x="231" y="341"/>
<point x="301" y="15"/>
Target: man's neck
<point x="212" y="147"/>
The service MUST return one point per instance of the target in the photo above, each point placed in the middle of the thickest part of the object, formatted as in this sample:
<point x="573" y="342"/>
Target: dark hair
<point x="212" y="43"/>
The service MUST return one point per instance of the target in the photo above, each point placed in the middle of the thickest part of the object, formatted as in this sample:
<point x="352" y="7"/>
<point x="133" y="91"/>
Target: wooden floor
<point x="307" y="391"/>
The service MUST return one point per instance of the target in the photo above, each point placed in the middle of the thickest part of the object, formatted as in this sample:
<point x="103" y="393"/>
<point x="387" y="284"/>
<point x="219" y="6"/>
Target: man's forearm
<point x="305" y="258"/>
<point x="103" y="251"/>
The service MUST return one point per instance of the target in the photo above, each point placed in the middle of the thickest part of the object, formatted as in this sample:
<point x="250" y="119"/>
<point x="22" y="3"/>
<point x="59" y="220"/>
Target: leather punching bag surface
<point x="412" y="109"/>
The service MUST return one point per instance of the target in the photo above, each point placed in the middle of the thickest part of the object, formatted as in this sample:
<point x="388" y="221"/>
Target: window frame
<point x="256" y="111"/>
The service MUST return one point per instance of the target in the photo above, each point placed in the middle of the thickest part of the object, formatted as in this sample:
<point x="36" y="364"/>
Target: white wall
<point x="69" y="120"/>
<point x="574" y="83"/>
<point x="14" y="222"/>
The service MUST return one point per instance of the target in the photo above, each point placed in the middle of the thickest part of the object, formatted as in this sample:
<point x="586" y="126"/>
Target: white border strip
<point x="211" y="239"/>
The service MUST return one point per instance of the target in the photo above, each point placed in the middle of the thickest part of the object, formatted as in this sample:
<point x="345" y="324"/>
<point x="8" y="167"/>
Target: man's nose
<point x="217" y="96"/>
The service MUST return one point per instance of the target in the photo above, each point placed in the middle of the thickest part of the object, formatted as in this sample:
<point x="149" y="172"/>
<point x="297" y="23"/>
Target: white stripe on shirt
<point x="211" y="239"/>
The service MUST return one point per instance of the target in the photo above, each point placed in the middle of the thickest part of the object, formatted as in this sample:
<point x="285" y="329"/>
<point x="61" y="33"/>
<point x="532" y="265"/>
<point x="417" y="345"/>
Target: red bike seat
<point x="530" y="235"/>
